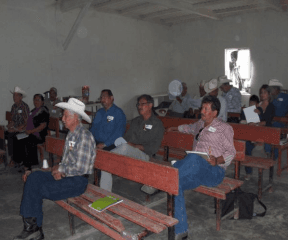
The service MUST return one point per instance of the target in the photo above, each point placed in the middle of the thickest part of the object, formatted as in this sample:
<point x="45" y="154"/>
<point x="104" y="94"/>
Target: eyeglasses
<point x="197" y="136"/>
<point x="141" y="104"/>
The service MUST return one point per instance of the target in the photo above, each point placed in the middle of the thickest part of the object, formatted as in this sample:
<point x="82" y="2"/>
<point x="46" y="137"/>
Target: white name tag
<point x="53" y="111"/>
<point x="19" y="111"/>
<point x="110" y="118"/>
<point x="211" y="129"/>
<point x="148" y="127"/>
<point x="71" y="144"/>
<point x="280" y="99"/>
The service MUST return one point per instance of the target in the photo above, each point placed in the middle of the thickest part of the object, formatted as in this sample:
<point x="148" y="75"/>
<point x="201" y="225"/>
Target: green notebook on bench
<point x="103" y="203"/>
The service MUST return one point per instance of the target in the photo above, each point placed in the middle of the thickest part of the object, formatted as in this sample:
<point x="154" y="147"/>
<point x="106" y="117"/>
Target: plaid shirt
<point x="233" y="98"/>
<point x="20" y="113"/>
<point x="79" y="159"/>
<point x="218" y="137"/>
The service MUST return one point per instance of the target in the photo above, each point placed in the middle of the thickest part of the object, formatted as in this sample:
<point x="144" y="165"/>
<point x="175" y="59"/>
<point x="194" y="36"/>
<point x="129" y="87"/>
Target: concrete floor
<point x="200" y="210"/>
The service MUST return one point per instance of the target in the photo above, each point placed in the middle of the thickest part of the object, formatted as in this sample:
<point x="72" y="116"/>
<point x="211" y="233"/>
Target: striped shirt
<point x="218" y="136"/>
<point x="20" y="113"/>
<point x="79" y="159"/>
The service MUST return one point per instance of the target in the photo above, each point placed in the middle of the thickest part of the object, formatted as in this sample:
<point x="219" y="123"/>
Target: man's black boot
<point x="40" y="235"/>
<point x="30" y="229"/>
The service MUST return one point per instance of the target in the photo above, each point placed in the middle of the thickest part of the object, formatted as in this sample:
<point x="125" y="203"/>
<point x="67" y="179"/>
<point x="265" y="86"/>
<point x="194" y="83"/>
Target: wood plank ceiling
<point x="171" y="12"/>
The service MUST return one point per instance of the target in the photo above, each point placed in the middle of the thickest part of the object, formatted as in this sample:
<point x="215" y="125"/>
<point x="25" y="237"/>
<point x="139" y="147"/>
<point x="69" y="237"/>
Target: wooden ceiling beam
<point x="158" y="13"/>
<point x="134" y="8"/>
<point x="99" y="6"/>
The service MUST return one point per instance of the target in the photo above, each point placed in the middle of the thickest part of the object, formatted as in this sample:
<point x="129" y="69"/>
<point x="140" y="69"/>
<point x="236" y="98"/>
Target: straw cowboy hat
<point x="275" y="82"/>
<point x="223" y="79"/>
<point x="211" y="85"/>
<point x="76" y="106"/>
<point x="19" y="90"/>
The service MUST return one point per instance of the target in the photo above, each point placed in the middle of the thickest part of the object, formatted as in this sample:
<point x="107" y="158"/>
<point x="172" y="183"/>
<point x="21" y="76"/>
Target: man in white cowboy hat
<point x="231" y="94"/>
<point x="19" y="115"/>
<point x="211" y="88"/>
<point x="68" y="179"/>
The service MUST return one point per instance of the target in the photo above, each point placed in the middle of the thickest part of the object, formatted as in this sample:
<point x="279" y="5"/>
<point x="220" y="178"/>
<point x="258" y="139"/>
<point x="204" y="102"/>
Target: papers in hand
<point x="119" y="141"/>
<point x="103" y="203"/>
<point x="250" y="115"/>
<point x="201" y="154"/>
<point x="22" y="136"/>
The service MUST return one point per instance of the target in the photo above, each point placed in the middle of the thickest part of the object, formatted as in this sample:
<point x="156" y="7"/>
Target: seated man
<point x="211" y="88"/>
<point x="68" y="179"/>
<point x="19" y="114"/>
<point x="51" y="102"/>
<point x="181" y="104"/>
<point x="143" y="139"/>
<point x="109" y="122"/>
<point x="214" y="137"/>
<point x="231" y="94"/>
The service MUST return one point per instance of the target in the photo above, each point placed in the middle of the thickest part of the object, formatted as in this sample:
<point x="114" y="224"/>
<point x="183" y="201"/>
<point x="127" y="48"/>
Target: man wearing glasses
<point x="212" y="136"/>
<point x="143" y="138"/>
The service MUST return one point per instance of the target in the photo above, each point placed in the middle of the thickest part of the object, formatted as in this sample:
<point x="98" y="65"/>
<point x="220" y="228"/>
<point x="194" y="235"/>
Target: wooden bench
<point x="161" y="177"/>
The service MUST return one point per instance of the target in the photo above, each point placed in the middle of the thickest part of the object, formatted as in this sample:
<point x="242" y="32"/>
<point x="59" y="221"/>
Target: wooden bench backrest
<point x="54" y="125"/>
<point x="241" y="131"/>
<point x="159" y="176"/>
<point x="281" y="119"/>
<point x="8" y="116"/>
<point x="233" y="114"/>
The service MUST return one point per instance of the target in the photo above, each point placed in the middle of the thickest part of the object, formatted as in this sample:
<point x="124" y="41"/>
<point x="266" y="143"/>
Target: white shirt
<point x="223" y="109"/>
<point x="178" y="107"/>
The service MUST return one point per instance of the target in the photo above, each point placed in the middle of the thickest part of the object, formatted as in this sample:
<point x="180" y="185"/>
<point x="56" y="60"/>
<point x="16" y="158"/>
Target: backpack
<point x="245" y="203"/>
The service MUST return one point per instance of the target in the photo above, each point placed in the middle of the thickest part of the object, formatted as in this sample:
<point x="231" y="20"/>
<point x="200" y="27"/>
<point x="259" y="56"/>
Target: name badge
<point x="212" y="129"/>
<point x="110" y="118"/>
<point x="19" y="111"/>
<point x="148" y="126"/>
<point x="280" y="99"/>
<point x="71" y="145"/>
<point x="53" y="111"/>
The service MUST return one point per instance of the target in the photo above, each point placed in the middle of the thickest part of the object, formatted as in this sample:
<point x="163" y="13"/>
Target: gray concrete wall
<point x="108" y="51"/>
<point x="200" y="47"/>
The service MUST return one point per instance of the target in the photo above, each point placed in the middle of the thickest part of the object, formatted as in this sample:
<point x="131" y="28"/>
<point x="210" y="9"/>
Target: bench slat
<point x="103" y="216"/>
<point x="147" y="212"/>
<point x="178" y="140"/>
<point x="161" y="177"/>
<point x="258" y="162"/>
<point x="111" y="233"/>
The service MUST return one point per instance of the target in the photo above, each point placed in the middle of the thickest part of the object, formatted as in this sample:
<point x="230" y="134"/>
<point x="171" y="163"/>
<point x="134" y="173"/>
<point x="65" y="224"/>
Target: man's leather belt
<point x="85" y="175"/>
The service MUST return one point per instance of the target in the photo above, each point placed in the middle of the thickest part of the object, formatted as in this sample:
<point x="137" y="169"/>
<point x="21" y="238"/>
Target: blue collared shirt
<point x="281" y="105"/>
<point x="108" y="125"/>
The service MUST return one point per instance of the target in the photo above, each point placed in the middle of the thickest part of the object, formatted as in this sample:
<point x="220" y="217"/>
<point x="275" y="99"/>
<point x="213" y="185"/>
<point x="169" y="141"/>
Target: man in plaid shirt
<point x="68" y="179"/>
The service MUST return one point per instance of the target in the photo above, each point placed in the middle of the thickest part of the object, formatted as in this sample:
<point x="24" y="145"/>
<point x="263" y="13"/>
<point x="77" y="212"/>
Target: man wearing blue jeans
<point x="68" y="179"/>
<point x="214" y="137"/>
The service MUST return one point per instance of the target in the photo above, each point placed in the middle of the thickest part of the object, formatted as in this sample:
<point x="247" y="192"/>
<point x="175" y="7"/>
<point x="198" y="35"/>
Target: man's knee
<point x="122" y="149"/>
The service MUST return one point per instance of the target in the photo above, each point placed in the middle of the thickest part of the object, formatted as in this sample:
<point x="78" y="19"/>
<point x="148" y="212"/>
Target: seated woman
<point x="25" y="150"/>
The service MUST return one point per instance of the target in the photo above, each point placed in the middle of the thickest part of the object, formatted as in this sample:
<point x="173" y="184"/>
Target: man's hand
<point x="100" y="145"/>
<point x="179" y="99"/>
<point x="212" y="160"/>
<point x="21" y="127"/>
<point x="26" y="174"/>
<point x="28" y="132"/>
<point x="172" y="129"/>
<point x="257" y="111"/>
<point x="56" y="174"/>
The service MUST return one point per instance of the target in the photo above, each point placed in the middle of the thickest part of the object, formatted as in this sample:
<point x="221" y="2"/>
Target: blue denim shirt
<point x="281" y="105"/>
<point x="108" y="125"/>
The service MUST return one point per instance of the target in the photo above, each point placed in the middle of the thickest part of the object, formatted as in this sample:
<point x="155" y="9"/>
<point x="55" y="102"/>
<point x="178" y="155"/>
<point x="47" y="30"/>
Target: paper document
<point x="22" y="135"/>
<point x="250" y="115"/>
<point x="103" y="203"/>
<point x="201" y="154"/>
<point x="119" y="141"/>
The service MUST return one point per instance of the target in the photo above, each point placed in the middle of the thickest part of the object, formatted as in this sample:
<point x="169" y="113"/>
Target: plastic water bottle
<point x="129" y="236"/>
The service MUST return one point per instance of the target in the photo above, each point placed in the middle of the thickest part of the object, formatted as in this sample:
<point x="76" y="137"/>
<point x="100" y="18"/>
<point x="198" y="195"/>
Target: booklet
<point x="103" y="203"/>
<point x="119" y="141"/>
<point x="22" y="135"/>
<point x="250" y="115"/>
<point x="201" y="154"/>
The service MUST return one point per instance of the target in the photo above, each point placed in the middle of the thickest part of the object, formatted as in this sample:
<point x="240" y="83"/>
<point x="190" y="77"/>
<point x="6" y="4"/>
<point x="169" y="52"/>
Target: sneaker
<point x="247" y="177"/>
<point x="181" y="236"/>
<point x="148" y="190"/>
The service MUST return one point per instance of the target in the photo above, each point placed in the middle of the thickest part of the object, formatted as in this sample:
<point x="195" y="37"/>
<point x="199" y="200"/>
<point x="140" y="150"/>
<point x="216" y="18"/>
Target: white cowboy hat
<point x="211" y="85"/>
<point x="162" y="111"/>
<point x="223" y="79"/>
<point x="275" y="82"/>
<point x="76" y="106"/>
<point x="19" y="90"/>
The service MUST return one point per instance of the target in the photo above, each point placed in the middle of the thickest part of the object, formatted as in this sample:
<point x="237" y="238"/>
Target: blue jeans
<point x="42" y="185"/>
<point x="193" y="172"/>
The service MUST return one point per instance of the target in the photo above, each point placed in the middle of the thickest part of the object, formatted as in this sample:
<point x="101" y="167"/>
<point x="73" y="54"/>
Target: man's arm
<point x="187" y="128"/>
<point x="227" y="141"/>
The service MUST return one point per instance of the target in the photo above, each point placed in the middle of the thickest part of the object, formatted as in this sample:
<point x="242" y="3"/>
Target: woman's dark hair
<point x="267" y="89"/>
<point x="214" y="101"/>
<point x="148" y="98"/>
<point x="254" y="98"/>
<point x="109" y="92"/>
<point x="39" y="95"/>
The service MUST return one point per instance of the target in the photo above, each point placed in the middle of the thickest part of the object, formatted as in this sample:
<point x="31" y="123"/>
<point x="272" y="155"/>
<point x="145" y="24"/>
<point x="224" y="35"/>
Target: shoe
<point x="30" y="230"/>
<point x="148" y="190"/>
<point x="40" y="235"/>
<point x="247" y="177"/>
<point x="181" y="236"/>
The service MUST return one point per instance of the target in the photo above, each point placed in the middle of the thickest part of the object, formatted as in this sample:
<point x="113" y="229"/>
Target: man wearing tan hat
<point x="19" y="115"/>
<point x="51" y="102"/>
<point x="231" y="94"/>
<point x="211" y="88"/>
<point x="68" y="179"/>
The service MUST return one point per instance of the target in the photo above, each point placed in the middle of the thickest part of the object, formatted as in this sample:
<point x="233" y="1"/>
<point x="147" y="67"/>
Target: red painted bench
<point x="161" y="177"/>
